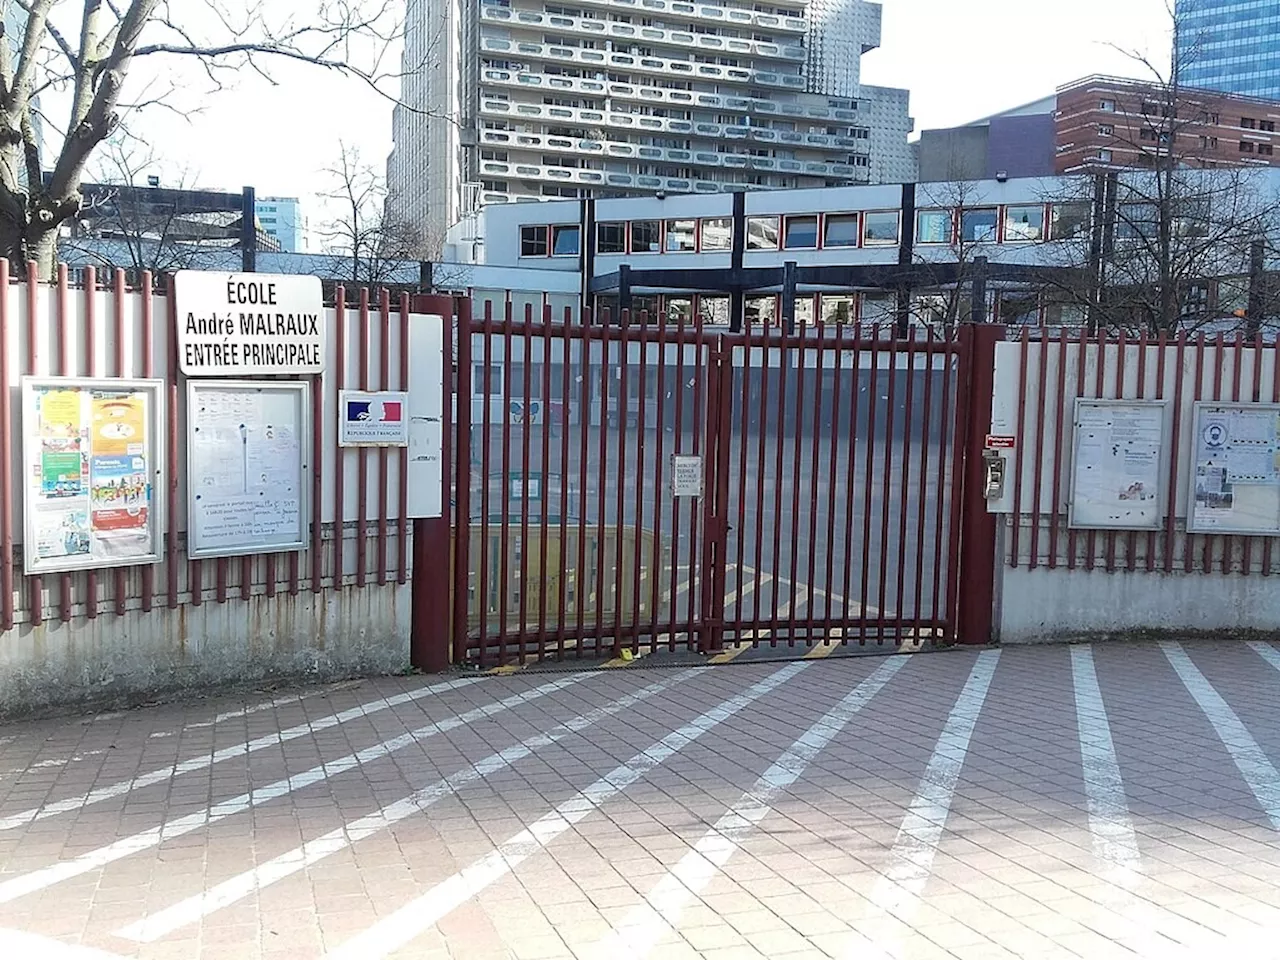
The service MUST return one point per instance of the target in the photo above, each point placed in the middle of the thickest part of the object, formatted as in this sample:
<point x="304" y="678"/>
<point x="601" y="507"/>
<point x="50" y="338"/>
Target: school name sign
<point x="248" y="324"/>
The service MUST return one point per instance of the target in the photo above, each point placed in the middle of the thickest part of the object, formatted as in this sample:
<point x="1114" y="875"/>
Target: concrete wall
<point x="958" y="153"/>
<point x="332" y="634"/>
<point x="1046" y="605"/>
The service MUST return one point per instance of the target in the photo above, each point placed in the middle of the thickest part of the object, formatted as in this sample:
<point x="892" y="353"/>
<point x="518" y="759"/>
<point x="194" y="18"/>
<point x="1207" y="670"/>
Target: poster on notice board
<point x="1235" y="474"/>
<point x="92" y="459"/>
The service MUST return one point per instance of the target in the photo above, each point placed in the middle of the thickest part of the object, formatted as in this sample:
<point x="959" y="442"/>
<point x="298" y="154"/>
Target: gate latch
<point x="993" y="473"/>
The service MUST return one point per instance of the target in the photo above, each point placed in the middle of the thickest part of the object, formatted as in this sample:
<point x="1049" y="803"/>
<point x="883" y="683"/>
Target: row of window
<point x="1012" y="223"/>
<point x="835" y="309"/>
<point x="1149" y="108"/>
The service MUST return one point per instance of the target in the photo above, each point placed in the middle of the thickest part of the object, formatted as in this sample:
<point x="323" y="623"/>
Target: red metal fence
<point x="1056" y="367"/>
<point x="829" y="514"/>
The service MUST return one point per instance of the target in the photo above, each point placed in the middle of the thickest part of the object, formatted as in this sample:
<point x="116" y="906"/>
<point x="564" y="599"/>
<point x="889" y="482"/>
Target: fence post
<point x="715" y="493"/>
<point x="976" y="596"/>
<point x="429" y="633"/>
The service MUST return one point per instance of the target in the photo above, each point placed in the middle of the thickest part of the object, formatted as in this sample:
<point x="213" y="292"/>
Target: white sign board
<point x="1119" y="460"/>
<point x="686" y="476"/>
<point x="1235" y="471"/>
<point x="248" y="324"/>
<point x="92" y="453"/>
<point x="426" y="415"/>
<point x="247" y="467"/>
<point x="378" y="419"/>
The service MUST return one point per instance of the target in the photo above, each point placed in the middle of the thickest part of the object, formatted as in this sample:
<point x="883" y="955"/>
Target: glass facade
<point x="1230" y="45"/>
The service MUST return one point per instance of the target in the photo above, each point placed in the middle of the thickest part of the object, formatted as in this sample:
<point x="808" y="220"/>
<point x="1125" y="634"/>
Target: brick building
<point x="1100" y="123"/>
<point x="1103" y="122"/>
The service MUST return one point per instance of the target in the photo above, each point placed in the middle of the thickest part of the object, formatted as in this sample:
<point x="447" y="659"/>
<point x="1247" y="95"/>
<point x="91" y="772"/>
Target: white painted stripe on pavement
<point x="897" y="890"/>
<point x="272" y="704"/>
<point x="420" y="914"/>
<point x="1254" y="765"/>
<point x="1114" y="840"/>
<point x="911" y="859"/>
<point x="226" y="753"/>
<point x="39" y="879"/>
<point x="28" y="946"/>
<point x="229" y="891"/>
<point x="1149" y="929"/>
<point x="643" y="926"/>
<point x="1266" y="651"/>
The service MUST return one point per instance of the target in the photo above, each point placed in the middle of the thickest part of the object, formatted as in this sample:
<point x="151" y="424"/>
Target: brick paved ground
<point x="1114" y="801"/>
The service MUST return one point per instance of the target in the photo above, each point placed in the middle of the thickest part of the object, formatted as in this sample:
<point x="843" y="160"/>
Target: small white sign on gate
<point x="686" y="476"/>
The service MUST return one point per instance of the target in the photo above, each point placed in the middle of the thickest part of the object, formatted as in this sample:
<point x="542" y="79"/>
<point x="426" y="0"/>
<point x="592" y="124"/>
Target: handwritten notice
<point x="686" y="476"/>
<point x="247" y="467"/>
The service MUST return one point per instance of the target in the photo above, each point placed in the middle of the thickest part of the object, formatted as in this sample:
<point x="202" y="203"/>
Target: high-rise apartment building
<point x="1229" y="45"/>
<point x="517" y="99"/>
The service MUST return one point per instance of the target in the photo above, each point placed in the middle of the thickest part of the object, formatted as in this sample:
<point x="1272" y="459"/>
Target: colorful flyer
<point x="62" y="533"/>
<point x="59" y="416"/>
<point x="61" y="473"/>
<point x="118" y="424"/>
<point x="119" y="493"/>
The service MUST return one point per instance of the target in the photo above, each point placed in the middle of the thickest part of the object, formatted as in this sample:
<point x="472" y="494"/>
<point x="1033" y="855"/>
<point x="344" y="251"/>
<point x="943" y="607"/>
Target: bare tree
<point x="87" y="59"/>
<point x="954" y="225"/>
<point x="366" y="231"/>
<point x="125" y="222"/>
<point x="1177" y="210"/>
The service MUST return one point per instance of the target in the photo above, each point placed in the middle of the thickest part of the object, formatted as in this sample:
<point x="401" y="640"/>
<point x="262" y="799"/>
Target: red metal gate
<point x="828" y="515"/>
<point x="834" y="504"/>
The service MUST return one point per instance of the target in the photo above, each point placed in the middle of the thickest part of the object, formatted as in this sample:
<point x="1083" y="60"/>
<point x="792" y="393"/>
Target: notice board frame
<point x="1197" y="411"/>
<point x="301" y="390"/>
<point x="1164" y="458"/>
<point x="31" y="562"/>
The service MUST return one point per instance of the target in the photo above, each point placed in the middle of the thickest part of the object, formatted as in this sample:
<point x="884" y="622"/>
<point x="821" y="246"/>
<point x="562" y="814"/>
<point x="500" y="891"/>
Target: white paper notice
<point x="247" y="467"/>
<point x="1116" y="473"/>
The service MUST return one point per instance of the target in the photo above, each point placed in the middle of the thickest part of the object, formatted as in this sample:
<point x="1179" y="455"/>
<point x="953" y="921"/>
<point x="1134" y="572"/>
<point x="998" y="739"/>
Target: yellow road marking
<point x="745" y="643"/>
<point x="824" y="649"/>
<point x="735" y="596"/>
<point x="630" y="656"/>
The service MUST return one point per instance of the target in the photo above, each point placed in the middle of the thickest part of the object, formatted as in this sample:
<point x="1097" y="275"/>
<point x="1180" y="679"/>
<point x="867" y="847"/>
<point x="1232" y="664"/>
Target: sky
<point x="961" y="60"/>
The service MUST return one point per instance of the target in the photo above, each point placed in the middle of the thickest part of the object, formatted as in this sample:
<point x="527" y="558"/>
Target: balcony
<point x="631" y="33"/>
<point x="637" y="123"/>
<point x="609" y="180"/>
<point x="593" y="178"/>
<point x="609" y="149"/>
<point x="701" y="12"/>
<point x="543" y="84"/>
<point x="605" y="60"/>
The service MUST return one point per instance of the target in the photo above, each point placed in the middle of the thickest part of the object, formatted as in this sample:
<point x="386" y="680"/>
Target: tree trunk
<point x="34" y="243"/>
<point x="42" y="249"/>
